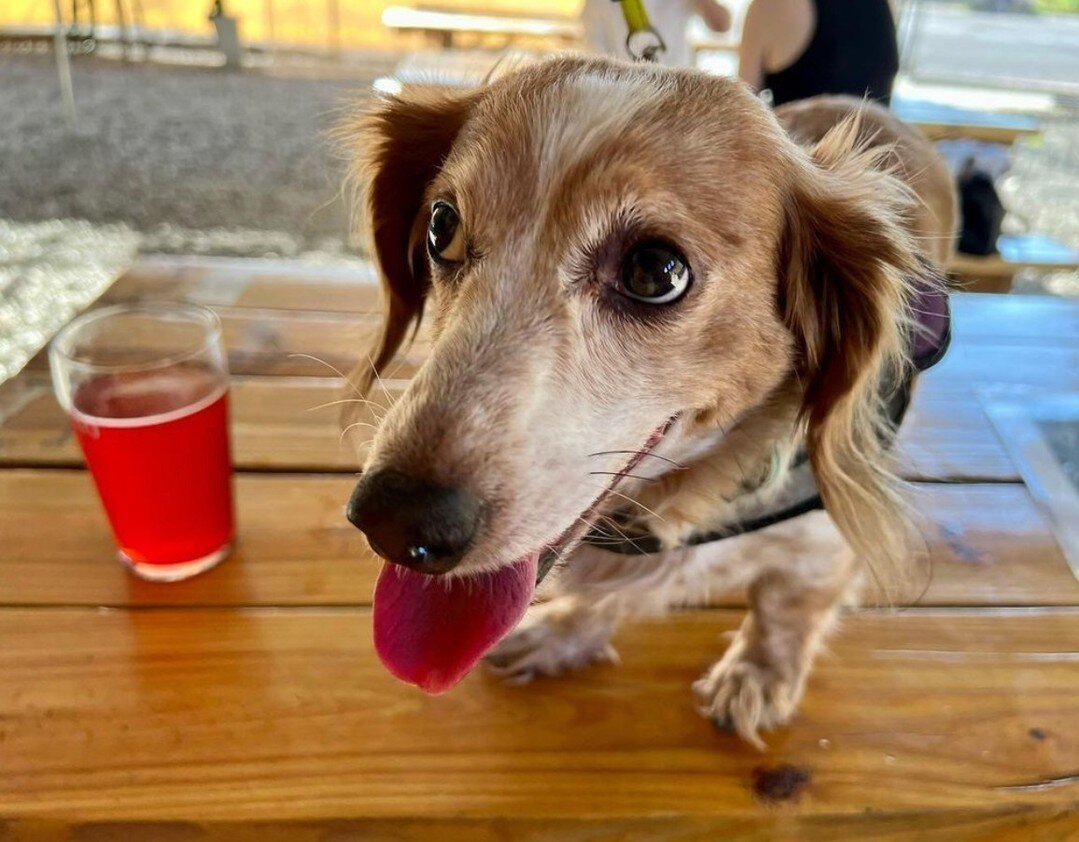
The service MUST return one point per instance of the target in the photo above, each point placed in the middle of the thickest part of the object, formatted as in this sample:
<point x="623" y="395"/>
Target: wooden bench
<point x="248" y="702"/>
<point x="945" y="122"/>
<point x="996" y="272"/>
<point x="446" y="26"/>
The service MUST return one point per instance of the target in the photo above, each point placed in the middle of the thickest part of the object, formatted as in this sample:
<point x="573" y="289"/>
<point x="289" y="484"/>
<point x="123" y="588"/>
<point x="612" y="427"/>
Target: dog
<point x="649" y="300"/>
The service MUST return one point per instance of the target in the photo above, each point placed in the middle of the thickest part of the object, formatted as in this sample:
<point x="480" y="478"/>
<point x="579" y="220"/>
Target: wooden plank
<point x="1015" y="319"/>
<point x="970" y="365"/>
<point x="997" y="339"/>
<point x="940" y="121"/>
<point x="279" y="285"/>
<point x="240" y="716"/>
<point x="1007" y="135"/>
<point x="293" y="424"/>
<point x="278" y="343"/>
<point x="943" y="438"/>
<point x="947" y="436"/>
<point x="278" y="423"/>
<point x="988" y="545"/>
<point x="264" y="284"/>
<point x="1011" y="824"/>
<point x="266" y="343"/>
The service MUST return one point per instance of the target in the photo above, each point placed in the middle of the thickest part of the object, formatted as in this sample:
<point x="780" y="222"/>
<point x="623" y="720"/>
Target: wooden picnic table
<point x="247" y="703"/>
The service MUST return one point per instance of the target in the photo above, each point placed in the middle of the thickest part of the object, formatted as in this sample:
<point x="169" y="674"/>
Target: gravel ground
<point x="195" y="159"/>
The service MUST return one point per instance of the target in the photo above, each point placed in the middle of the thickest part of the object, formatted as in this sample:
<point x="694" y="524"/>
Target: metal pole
<point x="911" y="38"/>
<point x="271" y="39"/>
<point x="63" y="67"/>
<point x="333" y="15"/>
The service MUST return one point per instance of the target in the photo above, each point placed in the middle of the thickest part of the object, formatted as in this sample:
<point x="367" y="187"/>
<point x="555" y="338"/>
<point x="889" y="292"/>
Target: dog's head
<point x="599" y="251"/>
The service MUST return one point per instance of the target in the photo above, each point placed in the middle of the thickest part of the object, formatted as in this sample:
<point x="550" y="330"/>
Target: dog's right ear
<point x="400" y="148"/>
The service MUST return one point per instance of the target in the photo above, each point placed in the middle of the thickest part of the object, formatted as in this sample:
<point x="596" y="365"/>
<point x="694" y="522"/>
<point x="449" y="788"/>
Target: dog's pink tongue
<point x="431" y="630"/>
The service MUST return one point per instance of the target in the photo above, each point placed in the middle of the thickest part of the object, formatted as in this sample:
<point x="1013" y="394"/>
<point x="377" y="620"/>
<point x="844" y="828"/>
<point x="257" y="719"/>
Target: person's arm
<point x="752" y="47"/>
<point x="715" y="14"/>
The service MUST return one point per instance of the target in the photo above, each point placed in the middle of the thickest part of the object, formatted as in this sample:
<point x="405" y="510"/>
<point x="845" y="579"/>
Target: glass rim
<point x="60" y="346"/>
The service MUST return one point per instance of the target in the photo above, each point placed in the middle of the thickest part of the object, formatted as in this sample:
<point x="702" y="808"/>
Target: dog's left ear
<point x="401" y="145"/>
<point x="848" y="275"/>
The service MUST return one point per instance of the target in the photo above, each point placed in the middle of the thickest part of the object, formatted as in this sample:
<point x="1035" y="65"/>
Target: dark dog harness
<point x="929" y="341"/>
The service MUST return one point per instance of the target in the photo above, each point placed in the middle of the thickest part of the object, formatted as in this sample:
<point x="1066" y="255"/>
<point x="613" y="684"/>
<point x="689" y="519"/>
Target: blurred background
<point x="146" y="127"/>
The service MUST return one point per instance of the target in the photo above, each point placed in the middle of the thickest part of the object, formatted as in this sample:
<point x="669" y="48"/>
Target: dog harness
<point x="929" y="341"/>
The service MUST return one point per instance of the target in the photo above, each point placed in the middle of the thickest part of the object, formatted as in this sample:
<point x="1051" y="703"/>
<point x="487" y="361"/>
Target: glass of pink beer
<point x="146" y="387"/>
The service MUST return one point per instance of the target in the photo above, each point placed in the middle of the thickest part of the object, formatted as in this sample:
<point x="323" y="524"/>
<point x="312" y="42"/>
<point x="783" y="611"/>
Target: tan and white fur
<point x="804" y="231"/>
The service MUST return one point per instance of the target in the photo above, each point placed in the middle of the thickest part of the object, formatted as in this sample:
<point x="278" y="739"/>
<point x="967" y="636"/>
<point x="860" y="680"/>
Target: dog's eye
<point x="445" y="238"/>
<point x="654" y="273"/>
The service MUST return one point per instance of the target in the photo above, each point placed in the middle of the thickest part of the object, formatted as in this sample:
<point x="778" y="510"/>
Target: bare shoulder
<point x="782" y="29"/>
<point x="777" y="14"/>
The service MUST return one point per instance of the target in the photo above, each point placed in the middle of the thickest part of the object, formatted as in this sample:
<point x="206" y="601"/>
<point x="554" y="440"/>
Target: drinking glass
<point x="146" y="387"/>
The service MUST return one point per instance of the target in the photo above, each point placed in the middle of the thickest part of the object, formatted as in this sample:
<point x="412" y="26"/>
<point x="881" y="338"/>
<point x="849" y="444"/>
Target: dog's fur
<point x="804" y="259"/>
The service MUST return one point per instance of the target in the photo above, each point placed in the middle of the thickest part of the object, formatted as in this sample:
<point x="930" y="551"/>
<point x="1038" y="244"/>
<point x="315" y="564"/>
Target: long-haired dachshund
<point x="653" y="303"/>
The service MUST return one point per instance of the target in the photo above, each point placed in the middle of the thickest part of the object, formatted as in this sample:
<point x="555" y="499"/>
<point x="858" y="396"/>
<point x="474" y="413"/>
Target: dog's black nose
<point x="413" y="522"/>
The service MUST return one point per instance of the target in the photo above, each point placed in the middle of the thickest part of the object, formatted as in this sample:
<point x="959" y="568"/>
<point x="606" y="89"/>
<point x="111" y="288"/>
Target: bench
<point x="446" y="26"/>
<point x="939" y="121"/>
<point x="1016" y="252"/>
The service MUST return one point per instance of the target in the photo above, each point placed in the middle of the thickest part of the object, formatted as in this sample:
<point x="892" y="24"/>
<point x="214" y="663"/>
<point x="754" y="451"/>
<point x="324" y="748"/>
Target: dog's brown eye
<point x="654" y="273"/>
<point x="445" y="238"/>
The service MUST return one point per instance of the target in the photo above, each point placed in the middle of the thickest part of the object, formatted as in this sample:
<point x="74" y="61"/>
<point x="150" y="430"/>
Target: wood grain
<point x="284" y="423"/>
<point x="1034" y="350"/>
<point x="309" y="344"/>
<point x="1025" y="823"/>
<point x="1006" y="135"/>
<point x="988" y="545"/>
<point x="263" y="284"/>
<point x="278" y="423"/>
<point x="278" y="285"/>
<point x="226" y="715"/>
<point x="1015" y="319"/>
<point x="947" y="436"/>
<point x="944" y="437"/>
<point x="172" y="712"/>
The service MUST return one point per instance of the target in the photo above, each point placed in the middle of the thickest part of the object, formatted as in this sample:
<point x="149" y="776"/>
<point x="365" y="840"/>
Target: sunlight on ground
<point x="292" y="21"/>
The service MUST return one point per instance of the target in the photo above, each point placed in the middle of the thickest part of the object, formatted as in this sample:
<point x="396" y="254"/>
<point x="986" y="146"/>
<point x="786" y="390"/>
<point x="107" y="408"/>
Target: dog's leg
<point x="599" y="590"/>
<point x="589" y="599"/>
<point x="759" y="681"/>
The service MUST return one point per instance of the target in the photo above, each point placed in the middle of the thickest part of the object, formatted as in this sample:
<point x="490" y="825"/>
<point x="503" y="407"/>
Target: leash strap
<point x="643" y="42"/>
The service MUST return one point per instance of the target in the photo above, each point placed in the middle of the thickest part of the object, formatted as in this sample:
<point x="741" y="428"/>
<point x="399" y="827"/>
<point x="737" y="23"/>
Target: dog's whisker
<point x="629" y="499"/>
<point x="589" y="524"/>
<point x="364" y="401"/>
<point x="621" y="474"/>
<point x="378" y="377"/>
<point x="331" y="367"/>
<point x="345" y="431"/>
<point x="678" y="465"/>
<point x="347" y="400"/>
<point x="612" y="525"/>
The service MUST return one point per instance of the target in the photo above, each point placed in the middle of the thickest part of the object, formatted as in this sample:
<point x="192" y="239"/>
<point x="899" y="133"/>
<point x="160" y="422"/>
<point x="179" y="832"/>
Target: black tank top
<point x="853" y="51"/>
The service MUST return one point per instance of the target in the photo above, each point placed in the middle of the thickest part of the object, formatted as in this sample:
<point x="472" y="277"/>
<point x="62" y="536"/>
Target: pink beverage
<point x="147" y="392"/>
<point x="157" y="445"/>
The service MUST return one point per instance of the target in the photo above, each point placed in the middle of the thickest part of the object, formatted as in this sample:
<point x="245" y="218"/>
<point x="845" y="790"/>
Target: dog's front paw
<point x="554" y="637"/>
<point x="745" y="695"/>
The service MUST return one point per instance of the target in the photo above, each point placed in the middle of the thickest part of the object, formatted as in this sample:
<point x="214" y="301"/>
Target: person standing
<point x="802" y="48"/>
